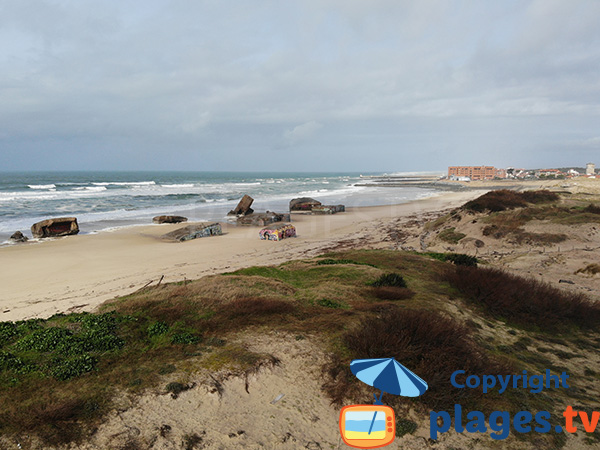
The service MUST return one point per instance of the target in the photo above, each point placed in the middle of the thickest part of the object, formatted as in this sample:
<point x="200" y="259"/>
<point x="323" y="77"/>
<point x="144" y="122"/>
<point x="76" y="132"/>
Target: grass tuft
<point x="389" y="279"/>
<point x="451" y="236"/>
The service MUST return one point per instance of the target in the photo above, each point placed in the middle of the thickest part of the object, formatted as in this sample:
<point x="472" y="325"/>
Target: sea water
<point x="105" y="200"/>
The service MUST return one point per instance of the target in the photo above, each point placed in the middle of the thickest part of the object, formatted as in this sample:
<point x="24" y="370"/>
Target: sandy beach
<point x="78" y="273"/>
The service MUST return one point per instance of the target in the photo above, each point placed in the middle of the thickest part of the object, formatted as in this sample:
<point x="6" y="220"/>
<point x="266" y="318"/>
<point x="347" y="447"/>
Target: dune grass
<point x="58" y="376"/>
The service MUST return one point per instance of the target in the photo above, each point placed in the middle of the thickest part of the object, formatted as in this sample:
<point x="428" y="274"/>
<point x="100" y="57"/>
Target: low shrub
<point x="329" y="261"/>
<point x="158" y="329"/>
<point x="392" y="293"/>
<point x="429" y="343"/>
<point x="527" y="302"/>
<point x="520" y="236"/>
<point x="327" y="303"/>
<point x="389" y="279"/>
<point x="504" y="199"/>
<point x="185" y="338"/>
<point x="63" y="369"/>
<point x="176" y="388"/>
<point x="451" y="236"/>
<point x="8" y="331"/>
<point x="461" y="259"/>
<point x="590" y="269"/>
<point x="592" y="209"/>
<point x="256" y="306"/>
<point x="44" y="340"/>
<point x="539" y="196"/>
<point x="405" y="426"/>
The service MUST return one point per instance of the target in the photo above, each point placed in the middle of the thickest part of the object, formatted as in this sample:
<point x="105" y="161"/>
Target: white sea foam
<point x="41" y="186"/>
<point x="174" y="186"/>
<point x="91" y="188"/>
<point x="124" y="183"/>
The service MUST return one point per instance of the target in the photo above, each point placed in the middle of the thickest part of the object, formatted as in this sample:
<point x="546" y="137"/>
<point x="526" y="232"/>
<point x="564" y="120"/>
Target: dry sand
<point x="78" y="273"/>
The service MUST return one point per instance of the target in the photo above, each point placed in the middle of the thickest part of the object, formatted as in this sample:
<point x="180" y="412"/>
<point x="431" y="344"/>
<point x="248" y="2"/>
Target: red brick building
<point x="476" y="172"/>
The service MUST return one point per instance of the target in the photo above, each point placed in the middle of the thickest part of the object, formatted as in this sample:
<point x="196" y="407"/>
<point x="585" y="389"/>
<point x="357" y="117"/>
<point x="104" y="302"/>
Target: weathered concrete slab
<point x="262" y="219"/>
<point x="243" y="207"/>
<point x="194" y="232"/>
<point x="169" y="219"/>
<point x="60" y="226"/>
<point x="303" y="204"/>
<point x="328" y="209"/>
<point x="277" y="232"/>
<point x="17" y="236"/>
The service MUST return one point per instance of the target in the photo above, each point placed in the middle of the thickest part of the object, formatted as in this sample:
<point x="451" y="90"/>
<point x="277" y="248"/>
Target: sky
<point x="311" y="85"/>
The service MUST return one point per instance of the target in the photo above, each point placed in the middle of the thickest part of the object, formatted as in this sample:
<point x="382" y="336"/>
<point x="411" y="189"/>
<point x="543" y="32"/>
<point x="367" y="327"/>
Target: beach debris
<point x="276" y="399"/>
<point x="17" y="236"/>
<point x="164" y="430"/>
<point x="303" y="204"/>
<point x="61" y="226"/>
<point x="277" y="232"/>
<point x="262" y="219"/>
<point x="169" y="219"/>
<point x="566" y="281"/>
<point x="243" y="207"/>
<point x="328" y="209"/>
<point x="193" y="232"/>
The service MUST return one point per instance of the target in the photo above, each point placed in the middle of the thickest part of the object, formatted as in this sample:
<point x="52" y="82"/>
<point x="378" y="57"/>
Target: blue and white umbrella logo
<point x="389" y="376"/>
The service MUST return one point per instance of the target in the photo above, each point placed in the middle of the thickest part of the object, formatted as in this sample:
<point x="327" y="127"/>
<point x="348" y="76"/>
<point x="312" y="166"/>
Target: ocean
<point x="106" y="200"/>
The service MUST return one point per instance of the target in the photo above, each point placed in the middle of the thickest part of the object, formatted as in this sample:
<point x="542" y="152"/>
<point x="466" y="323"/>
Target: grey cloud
<point x="135" y="77"/>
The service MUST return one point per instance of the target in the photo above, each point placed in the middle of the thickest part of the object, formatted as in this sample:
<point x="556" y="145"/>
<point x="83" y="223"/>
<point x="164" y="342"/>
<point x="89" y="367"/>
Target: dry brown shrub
<point x="392" y="293"/>
<point x="429" y="343"/>
<point x="524" y="301"/>
<point x="255" y="306"/>
<point x="590" y="269"/>
<point x="504" y="199"/>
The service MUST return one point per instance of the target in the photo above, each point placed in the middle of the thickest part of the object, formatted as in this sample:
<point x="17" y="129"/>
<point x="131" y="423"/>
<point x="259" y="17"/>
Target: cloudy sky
<point x="311" y="85"/>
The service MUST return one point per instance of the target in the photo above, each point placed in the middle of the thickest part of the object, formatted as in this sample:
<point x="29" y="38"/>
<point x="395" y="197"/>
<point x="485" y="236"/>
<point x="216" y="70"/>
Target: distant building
<point x="476" y="172"/>
<point x="590" y="169"/>
<point x="546" y="173"/>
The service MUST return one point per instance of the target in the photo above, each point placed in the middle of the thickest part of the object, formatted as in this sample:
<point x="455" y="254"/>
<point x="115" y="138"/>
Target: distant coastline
<point x="108" y="200"/>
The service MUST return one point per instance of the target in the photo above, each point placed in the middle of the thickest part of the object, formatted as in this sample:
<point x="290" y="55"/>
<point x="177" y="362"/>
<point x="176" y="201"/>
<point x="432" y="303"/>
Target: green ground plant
<point x="58" y="376"/>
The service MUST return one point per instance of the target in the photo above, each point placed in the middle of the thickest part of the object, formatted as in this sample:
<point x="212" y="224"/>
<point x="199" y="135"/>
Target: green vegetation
<point x="459" y="259"/>
<point x="451" y="236"/>
<point x="389" y="279"/>
<point x="58" y="376"/>
<point x="329" y="261"/>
